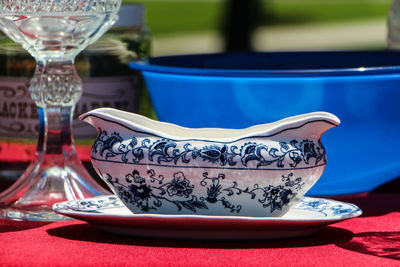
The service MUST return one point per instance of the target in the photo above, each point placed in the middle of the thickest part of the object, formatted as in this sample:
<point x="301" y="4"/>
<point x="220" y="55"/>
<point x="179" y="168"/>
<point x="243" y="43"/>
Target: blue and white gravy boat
<point x="161" y="168"/>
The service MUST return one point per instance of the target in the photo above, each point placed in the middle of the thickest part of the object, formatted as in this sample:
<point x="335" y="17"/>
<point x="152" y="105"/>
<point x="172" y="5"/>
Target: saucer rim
<point x="131" y="216"/>
<point x="210" y="228"/>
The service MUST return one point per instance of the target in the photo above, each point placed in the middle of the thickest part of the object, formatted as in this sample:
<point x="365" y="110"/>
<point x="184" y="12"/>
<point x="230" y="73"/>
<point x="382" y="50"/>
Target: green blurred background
<point x="190" y="26"/>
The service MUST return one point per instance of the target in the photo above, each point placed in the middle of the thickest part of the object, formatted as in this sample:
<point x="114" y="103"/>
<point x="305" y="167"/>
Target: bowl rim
<point x="147" y="65"/>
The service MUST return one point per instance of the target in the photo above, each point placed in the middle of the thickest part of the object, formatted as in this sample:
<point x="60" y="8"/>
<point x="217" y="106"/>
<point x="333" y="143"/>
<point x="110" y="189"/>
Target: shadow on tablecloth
<point x="88" y="233"/>
<point x="381" y="244"/>
<point x="14" y="226"/>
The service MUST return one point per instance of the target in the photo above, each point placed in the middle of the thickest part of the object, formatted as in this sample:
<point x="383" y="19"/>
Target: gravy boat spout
<point x="158" y="167"/>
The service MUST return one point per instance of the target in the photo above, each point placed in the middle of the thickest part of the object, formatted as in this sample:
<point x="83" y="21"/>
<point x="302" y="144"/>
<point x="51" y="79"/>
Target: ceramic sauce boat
<point x="161" y="168"/>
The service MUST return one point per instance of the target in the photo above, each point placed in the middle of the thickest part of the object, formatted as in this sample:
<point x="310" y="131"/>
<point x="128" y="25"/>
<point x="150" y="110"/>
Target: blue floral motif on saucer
<point x="109" y="214"/>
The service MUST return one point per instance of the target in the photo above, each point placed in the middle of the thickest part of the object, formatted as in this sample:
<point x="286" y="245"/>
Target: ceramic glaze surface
<point x="156" y="167"/>
<point x="110" y="215"/>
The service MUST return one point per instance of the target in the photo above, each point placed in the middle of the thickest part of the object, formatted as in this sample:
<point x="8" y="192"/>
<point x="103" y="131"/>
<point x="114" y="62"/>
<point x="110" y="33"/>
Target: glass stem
<point x="56" y="87"/>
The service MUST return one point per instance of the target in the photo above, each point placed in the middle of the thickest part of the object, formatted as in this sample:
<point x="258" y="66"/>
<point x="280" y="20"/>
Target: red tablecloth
<point x="372" y="239"/>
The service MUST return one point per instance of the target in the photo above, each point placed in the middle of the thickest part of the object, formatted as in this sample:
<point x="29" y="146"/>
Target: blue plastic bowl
<point x="240" y="90"/>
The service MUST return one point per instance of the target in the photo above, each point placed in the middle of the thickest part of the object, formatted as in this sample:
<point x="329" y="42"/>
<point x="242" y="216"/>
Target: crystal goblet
<point x="53" y="32"/>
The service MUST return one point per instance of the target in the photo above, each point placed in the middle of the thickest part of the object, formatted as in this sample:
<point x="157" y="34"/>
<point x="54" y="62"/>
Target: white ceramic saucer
<point x="110" y="215"/>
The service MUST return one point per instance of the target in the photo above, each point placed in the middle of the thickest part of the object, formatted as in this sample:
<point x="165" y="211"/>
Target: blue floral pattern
<point x="150" y="192"/>
<point x="94" y="205"/>
<point x="325" y="207"/>
<point x="165" y="150"/>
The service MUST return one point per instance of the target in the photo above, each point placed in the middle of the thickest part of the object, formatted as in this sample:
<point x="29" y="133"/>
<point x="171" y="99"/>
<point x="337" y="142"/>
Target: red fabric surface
<point x="25" y="152"/>
<point x="372" y="239"/>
